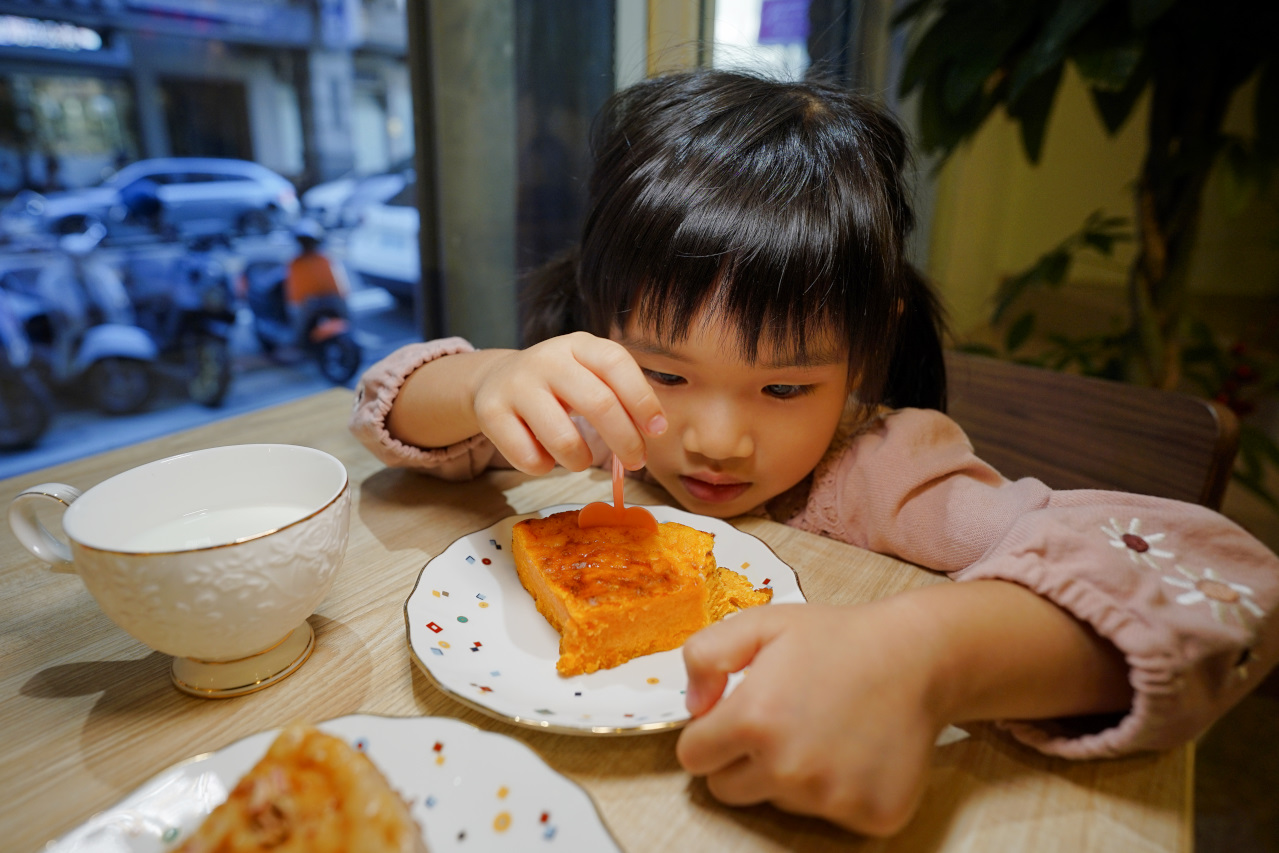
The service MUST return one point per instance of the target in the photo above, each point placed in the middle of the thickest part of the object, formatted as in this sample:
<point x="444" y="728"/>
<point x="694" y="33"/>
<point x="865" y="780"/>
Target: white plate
<point x="475" y="631"/>
<point x="468" y="789"/>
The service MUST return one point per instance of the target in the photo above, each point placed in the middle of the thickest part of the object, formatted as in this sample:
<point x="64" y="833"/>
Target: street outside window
<point x="162" y="163"/>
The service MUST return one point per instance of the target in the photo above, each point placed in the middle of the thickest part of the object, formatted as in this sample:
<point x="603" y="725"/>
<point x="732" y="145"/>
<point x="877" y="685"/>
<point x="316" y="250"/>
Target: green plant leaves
<point x="1192" y="56"/>
<point x="1099" y="233"/>
<point x="1048" y="51"/>
<point x="1019" y="332"/>
<point x="1266" y="109"/>
<point x="1244" y="172"/>
<point x="1033" y="109"/>
<point x="1050" y="269"/>
<point x="1143" y="13"/>
<point x="959" y="62"/>
<point x="978" y="349"/>
<point x="972" y="55"/>
<point x="1109" y="68"/>
<point x="1257" y="451"/>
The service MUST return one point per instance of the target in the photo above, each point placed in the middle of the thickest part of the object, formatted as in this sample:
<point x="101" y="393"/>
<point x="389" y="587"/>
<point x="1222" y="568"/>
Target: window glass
<point x="770" y="36"/>
<point x="406" y="197"/>
<point x="238" y="124"/>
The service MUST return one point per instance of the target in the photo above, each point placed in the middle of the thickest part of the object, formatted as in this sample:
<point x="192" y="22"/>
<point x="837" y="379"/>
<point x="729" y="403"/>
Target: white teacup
<point x="216" y="557"/>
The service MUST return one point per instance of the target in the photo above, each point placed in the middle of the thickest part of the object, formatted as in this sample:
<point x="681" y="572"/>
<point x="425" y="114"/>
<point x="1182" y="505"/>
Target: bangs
<point x="765" y="208"/>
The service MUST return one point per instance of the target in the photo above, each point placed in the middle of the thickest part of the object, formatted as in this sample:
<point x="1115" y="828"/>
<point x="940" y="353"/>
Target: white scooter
<point x="87" y="335"/>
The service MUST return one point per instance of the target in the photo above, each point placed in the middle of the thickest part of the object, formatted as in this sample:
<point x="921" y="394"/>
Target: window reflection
<point x="154" y="156"/>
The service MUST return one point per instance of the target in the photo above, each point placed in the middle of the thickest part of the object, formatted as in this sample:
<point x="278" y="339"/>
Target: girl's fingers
<point x="727" y="730"/>
<point x="624" y="408"/>
<point x="524" y="405"/>
<point x="554" y="431"/>
<point x="710" y="744"/>
<point x="517" y="444"/>
<point x="602" y="409"/>
<point x="742" y="783"/>
<point x="726" y="647"/>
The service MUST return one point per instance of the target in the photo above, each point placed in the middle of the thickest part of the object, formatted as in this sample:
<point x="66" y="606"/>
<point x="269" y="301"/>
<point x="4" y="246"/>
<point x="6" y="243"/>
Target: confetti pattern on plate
<point x="476" y="632"/>
<point x="468" y="789"/>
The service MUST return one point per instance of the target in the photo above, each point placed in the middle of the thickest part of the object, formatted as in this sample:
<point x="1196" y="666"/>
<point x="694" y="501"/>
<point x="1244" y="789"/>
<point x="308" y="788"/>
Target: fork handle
<point x="619" y="475"/>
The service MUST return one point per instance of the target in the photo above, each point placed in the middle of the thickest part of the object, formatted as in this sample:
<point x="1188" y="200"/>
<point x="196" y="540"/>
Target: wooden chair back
<point x="1076" y="432"/>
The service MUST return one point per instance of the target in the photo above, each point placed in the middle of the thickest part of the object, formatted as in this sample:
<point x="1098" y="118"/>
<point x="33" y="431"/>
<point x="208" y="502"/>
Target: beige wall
<point x="679" y="34"/>
<point x="995" y="213"/>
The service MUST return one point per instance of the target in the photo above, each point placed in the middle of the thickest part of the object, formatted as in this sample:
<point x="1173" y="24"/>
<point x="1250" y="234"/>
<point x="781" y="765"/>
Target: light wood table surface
<point x="87" y="714"/>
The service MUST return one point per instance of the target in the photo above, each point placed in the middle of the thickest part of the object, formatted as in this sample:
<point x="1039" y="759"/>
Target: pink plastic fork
<point x="600" y="514"/>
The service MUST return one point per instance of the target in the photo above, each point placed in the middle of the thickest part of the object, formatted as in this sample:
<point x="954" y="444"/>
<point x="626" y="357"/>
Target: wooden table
<point x="87" y="713"/>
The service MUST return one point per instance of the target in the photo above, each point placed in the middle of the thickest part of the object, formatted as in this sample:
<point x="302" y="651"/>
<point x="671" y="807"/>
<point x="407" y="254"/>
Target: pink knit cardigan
<point x="1188" y="596"/>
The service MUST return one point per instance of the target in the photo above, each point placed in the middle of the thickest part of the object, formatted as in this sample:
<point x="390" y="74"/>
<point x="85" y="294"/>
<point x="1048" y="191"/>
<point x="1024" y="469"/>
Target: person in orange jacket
<point x="313" y="279"/>
<point x="311" y="274"/>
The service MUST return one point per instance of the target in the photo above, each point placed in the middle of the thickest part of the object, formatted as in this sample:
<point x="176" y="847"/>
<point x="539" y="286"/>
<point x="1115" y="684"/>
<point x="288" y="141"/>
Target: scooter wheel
<point x="119" y="386"/>
<point x="25" y="411"/>
<point x="209" y="363"/>
<point x="339" y="358"/>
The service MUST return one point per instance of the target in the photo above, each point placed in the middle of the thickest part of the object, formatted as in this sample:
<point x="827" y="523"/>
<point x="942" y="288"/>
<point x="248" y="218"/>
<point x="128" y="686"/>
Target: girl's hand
<point x="523" y="400"/>
<point x="833" y="718"/>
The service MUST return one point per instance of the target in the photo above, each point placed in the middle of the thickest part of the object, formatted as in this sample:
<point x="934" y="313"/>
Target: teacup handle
<point x="35" y="536"/>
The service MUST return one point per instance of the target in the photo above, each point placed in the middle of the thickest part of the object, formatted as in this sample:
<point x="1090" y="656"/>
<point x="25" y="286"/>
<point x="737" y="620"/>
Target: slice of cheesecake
<point x="615" y="593"/>
<point x="310" y="792"/>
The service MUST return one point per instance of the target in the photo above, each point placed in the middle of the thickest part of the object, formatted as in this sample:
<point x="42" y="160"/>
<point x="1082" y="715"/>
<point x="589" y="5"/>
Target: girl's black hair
<point x="784" y="204"/>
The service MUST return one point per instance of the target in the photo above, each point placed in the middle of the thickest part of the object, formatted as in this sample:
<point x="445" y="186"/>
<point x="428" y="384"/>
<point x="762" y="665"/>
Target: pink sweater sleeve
<point x="376" y="392"/>
<point x="1185" y="594"/>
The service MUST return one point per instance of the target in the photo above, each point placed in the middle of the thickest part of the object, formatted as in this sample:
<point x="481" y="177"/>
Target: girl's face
<point x="739" y="434"/>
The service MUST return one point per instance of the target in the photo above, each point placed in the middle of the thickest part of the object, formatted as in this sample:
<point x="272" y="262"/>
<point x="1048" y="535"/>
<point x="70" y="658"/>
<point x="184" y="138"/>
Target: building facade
<point x="310" y="88"/>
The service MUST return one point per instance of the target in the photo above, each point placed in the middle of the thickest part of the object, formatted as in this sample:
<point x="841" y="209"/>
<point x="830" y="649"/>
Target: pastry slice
<point x="311" y="792"/>
<point x="615" y="593"/>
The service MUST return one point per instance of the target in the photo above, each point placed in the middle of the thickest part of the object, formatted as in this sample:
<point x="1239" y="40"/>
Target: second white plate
<point x="469" y="790"/>
<point x="475" y="631"/>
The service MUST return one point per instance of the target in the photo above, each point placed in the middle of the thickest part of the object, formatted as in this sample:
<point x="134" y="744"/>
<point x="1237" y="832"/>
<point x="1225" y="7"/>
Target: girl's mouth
<point x="713" y="492"/>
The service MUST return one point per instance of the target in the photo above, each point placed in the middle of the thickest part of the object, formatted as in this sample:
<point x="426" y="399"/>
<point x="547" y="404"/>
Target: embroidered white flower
<point x="1223" y="597"/>
<point x="1140" y="547"/>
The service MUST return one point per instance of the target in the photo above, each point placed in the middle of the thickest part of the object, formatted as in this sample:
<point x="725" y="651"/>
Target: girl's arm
<point x="1005" y="653"/>
<point x="435" y="407"/>
<point x="1189" y="598"/>
<point x="1071" y="605"/>
<point x="841" y="705"/>
<point x="376" y="394"/>
<point x="418" y="408"/>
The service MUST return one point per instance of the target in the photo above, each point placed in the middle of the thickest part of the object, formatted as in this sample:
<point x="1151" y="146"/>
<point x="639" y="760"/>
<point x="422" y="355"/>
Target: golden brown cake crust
<point x="616" y="593"/>
<point x="310" y="792"/>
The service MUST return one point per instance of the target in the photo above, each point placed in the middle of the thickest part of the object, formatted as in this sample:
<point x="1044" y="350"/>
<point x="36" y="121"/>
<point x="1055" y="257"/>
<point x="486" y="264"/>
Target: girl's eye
<point x="663" y="378"/>
<point x="786" y="392"/>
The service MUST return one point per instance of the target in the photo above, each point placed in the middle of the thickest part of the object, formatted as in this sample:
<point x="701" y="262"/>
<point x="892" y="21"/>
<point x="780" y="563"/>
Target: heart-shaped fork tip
<point x="607" y="515"/>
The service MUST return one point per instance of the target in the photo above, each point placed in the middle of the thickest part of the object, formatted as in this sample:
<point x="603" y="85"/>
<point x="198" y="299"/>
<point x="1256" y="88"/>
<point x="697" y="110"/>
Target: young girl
<point x="740" y="325"/>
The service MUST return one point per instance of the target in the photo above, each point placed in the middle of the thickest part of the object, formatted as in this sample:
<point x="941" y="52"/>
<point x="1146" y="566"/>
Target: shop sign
<point x="16" y="31"/>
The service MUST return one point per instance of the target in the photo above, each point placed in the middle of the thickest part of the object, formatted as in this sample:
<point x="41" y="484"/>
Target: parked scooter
<point x="187" y="307"/>
<point x="26" y="407"/>
<point x="316" y="325"/>
<point x="84" y="331"/>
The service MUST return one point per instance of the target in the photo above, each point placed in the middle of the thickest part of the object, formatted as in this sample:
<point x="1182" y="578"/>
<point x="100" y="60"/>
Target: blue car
<point x="187" y="196"/>
<point x="383" y="248"/>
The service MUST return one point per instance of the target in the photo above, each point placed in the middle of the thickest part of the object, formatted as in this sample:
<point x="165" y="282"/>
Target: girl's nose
<point x="718" y="434"/>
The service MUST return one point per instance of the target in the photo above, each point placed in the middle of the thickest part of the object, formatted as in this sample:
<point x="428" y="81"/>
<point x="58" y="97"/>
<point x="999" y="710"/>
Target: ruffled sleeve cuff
<point x="377" y="390"/>
<point x="1186" y="595"/>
